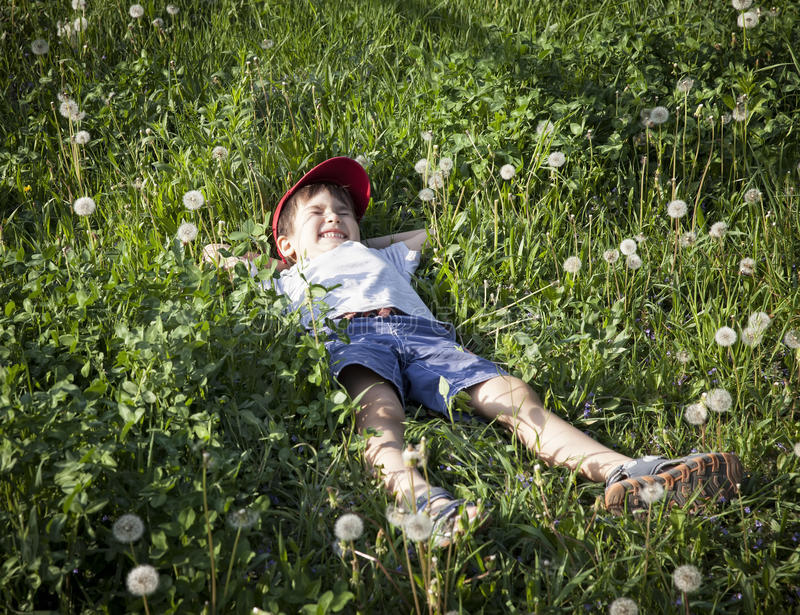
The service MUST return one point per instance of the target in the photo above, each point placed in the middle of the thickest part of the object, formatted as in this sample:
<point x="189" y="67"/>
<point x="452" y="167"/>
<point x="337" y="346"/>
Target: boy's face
<point x="321" y="223"/>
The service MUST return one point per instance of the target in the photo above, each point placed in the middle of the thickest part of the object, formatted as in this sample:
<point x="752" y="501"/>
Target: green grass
<point x="123" y="361"/>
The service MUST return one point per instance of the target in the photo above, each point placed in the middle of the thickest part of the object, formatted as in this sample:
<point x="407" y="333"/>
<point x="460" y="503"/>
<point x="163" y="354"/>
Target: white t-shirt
<point x="353" y="278"/>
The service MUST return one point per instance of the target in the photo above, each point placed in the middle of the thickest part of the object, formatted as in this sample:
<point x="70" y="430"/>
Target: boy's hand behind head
<point x="211" y="255"/>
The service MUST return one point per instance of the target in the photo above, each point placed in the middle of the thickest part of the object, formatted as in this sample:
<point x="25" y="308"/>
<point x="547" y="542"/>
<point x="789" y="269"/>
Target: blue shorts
<point x="413" y="354"/>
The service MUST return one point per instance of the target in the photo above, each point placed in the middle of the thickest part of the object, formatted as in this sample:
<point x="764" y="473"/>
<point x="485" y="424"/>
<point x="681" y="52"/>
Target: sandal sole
<point x="714" y="475"/>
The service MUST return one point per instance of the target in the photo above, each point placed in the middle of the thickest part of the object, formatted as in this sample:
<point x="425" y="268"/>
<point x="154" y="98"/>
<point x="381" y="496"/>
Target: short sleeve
<point x="404" y="260"/>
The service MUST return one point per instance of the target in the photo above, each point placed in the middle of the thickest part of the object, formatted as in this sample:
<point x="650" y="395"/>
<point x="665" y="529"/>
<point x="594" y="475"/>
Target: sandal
<point x="714" y="475"/>
<point x="446" y="519"/>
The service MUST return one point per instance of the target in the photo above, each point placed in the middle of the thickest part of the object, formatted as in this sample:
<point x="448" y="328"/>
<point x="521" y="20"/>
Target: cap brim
<point x="342" y="171"/>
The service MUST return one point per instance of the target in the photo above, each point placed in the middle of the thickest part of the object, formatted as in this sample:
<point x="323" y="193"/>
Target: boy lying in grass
<point x="398" y="351"/>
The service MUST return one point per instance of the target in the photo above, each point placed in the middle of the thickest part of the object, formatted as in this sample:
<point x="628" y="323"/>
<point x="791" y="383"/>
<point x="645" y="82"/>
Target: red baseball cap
<point x="342" y="171"/>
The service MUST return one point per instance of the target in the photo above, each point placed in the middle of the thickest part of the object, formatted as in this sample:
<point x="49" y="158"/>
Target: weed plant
<point x="135" y="381"/>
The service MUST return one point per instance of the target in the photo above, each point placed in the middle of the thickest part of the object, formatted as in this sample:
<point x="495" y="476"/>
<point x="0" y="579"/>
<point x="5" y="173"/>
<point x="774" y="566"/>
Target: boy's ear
<point x="285" y="246"/>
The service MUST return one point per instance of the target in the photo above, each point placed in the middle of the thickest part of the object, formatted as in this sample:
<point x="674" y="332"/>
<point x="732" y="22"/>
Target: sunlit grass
<point x="133" y="380"/>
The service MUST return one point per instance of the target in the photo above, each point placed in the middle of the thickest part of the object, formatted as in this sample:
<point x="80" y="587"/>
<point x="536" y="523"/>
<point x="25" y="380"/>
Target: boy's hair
<point x="304" y="194"/>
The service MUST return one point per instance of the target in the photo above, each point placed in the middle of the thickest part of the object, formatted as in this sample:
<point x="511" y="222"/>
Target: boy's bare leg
<point x="382" y="413"/>
<point x="514" y="404"/>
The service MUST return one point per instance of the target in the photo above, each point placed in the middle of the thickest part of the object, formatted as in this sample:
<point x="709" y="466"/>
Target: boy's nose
<point x="331" y="215"/>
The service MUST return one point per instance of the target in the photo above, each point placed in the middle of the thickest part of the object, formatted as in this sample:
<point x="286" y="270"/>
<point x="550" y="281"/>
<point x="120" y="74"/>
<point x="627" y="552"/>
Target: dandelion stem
<point x="495" y="225"/>
<point x="702" y="179"/>
<point x="411" y="574"/>
<point x="230" y="564"/>
<point x="210" y="538"/>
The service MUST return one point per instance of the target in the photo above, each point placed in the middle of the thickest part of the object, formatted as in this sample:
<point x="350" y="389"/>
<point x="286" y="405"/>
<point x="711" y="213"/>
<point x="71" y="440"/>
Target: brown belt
<point x="380" y="313"/>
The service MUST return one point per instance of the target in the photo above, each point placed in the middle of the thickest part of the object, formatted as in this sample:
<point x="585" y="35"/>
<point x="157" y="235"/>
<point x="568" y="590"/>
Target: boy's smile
<point x="321" y="224"/>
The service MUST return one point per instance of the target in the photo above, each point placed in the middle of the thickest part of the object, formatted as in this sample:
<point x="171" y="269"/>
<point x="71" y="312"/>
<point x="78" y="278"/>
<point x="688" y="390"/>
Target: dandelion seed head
<point x="556" y="160"/>
<point x="718" y="400"/>
<point x="752" y="196"/>
<point x="64" y="30"/>
<point x="128" y="528"/>
<point x="718" y="230"/>
<point x="446" y="164"/>
<point x="739" y="113"/>
<point x="136" y="11"/>
<point x="242" y="518"/>
<point x="82" y="137"/>
<point x="507" y="171"/>
<point x="193" y="199"/>
<point x="142" y="580"/>
<point x="410" y="457"/>
<point x="79" y="24"/>
<point x="792" y="339"/>
<point x="687" y="578"/>
<point x="747" y="266"/>
<point x="68" y="107"/>
<point x="797" y="448"/>
<point x="426" y="135"/>
<point x="84" y="206"/>
<point x="623" y="606"/>
<point x="695" y="414"/>
<point x="426" y="194"/>
<point x="572" y="264"/>
<point x="676" y="209"/>
<point x="685" y="85"/>
<point x="759" y="321"/>
<point x="158" y="22"/>
<point x="421" y="166"/>
<point x="725" y="336"/>
<point x="40" y="47"/>
<point x="78" y="5"/>
<point x="545" y="128"/>
<point x="436" y="180"/>
<point x="219" y="152"/>
<point x="651" y="493"/>
<point x="172" y="10"/>
<point x="628" y="247"/>
<point x="751" y="337"/>
<point x="418" y="527"/>
<point x="267" y="43"/>
<point x="611" y="256"/>
<point x="741" y="5"/>
<point x="683" y="356"/>
<point x="659" y="115"/>
<point x="187" y="233"/>
<point x="633" y="261"/>
<point x="362" y="160"/>
<point x="395" y="515"/>
<point x="748" y="19"/>
<point x="348" y="527"/>
<point x="688" y="239"/>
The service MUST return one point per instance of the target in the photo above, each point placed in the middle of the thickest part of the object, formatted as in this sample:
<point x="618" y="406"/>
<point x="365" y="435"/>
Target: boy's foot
<point x="715" y="475"/>
<point x="446" y="513"/>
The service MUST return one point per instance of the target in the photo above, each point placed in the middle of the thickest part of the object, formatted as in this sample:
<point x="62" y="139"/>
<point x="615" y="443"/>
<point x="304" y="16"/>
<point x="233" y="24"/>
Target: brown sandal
<point x="715" y="475"/>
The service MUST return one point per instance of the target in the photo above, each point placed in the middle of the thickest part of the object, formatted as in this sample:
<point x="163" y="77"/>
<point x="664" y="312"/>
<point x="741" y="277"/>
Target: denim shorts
<point x="412" y="353"/>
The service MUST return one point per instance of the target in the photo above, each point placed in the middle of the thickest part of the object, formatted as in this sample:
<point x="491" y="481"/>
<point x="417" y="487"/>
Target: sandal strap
<point x="643" y="466"/>
<point x="434" y="494"/>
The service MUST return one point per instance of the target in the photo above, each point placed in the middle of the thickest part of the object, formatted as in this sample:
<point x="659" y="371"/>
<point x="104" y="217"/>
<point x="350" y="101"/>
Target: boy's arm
<point x="211" y="255"/>
<point x="414" y="240"/>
